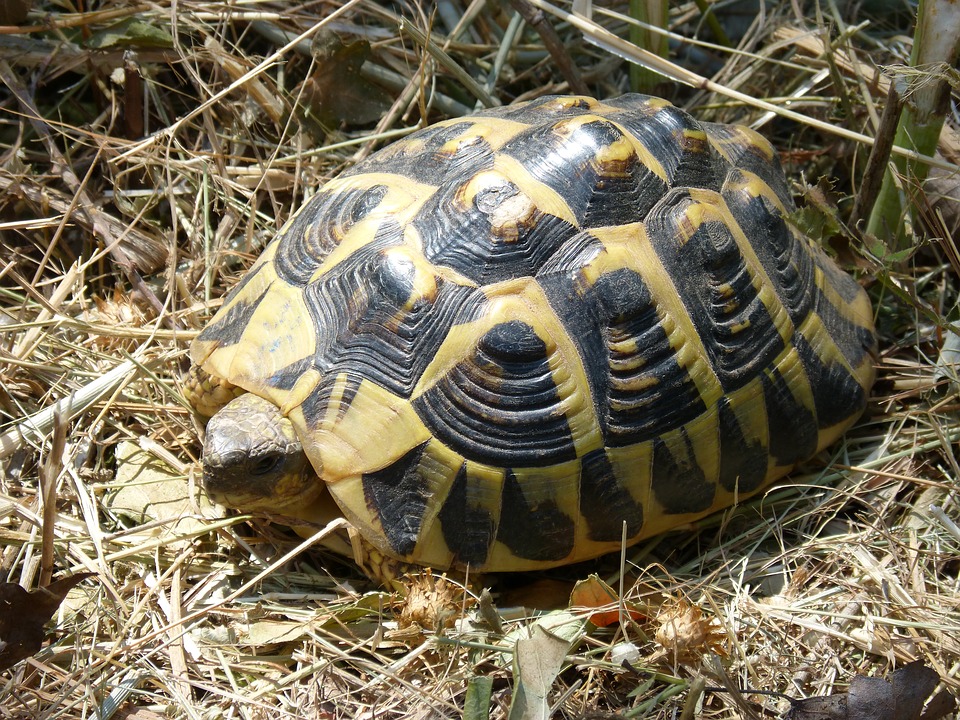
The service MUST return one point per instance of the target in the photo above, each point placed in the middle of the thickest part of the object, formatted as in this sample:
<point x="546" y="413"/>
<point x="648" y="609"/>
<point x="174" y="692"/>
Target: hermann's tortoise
<point x="508" y="340"/>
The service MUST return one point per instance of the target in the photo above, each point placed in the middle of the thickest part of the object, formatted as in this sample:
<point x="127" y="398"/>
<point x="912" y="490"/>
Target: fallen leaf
<point x="337" y="92"/>
<point x="489" y="613"/>
<point x="148" y="490"/>
<point x="563" y="624"/>
<point x="476" y="705"/>
<point x="941" y="705"/>
<point x="261" y="634"/>
<point x="594" y="593"/>
<point x="869" y="698"/>
<point x="536" y="664"/>
<point x="909" y="687"/>
<point x="14" y="12"/>
<point x="537" y="593"/>
<point x="23" y="613"/>
<point x="132" y="32"/>
<point x="828" y="707"/>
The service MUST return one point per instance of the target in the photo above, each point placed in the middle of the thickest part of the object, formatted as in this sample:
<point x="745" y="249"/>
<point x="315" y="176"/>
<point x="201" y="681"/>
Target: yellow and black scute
<point x="507" y="337"/>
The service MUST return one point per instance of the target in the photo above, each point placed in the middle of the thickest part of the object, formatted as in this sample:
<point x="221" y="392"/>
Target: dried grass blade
<point x="35" y="427"/>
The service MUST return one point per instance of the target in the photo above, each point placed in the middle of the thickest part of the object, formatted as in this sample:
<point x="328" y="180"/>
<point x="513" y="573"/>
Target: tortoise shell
<point x="509" y="340"/>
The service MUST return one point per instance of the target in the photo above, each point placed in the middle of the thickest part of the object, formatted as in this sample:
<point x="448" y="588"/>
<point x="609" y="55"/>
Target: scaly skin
<point x="208" y="394"/>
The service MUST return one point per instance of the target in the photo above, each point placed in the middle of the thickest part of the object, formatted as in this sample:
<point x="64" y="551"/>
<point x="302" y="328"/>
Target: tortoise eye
<point x="266" y="464"/>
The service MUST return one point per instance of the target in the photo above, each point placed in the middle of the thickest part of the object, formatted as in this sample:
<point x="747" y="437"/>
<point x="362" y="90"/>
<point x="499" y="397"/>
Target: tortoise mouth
<point x="250" y="484"/>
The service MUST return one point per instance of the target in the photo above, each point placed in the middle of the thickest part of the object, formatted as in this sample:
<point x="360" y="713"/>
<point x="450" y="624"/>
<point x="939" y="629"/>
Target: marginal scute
<point x="841" y="283"/>
<point x="605" y="501"/>
<point x="793" y="435"/>
<point x="507" y="340"/>
<point x="468" y="528"/>
<point x="534" y="528"/>
<point x="228" y="327"/>
<point x="836" y="393"/>
<point x="743" y="460"/>
<point x="374" y="431"/>
<point x="677" y="481"/>
<point x="397" y="497"/>
<point x="853" y="336"/>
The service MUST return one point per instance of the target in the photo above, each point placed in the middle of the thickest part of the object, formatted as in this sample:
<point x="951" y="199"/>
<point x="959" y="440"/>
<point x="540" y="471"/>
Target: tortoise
<point x="511" y="341"/>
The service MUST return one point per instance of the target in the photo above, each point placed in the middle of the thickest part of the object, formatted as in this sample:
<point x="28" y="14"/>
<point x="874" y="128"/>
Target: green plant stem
<point x="936" y="44"/>
<point x="655" y="13"/>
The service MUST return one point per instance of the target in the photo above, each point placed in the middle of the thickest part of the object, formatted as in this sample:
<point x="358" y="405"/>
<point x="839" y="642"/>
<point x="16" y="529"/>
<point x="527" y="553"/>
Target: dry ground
<point x="148" y="151"/>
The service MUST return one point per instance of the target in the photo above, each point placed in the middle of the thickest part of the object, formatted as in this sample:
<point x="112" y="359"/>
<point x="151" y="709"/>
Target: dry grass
<point x="170" y="141"/>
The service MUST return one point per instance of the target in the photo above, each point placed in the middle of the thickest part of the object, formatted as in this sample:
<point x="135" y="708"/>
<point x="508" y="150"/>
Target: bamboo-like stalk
<point x="652" y="14"/>
<point x="936" y="46"/>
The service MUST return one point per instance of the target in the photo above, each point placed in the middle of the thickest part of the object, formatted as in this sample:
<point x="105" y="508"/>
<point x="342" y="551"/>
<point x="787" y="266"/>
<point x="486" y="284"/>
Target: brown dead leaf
<point x="23" y="613"/>
<point x="147" y="490"/>
<point x="539" y="593"/>
<point x="900" y="697"/>
<point x="14" y="12"/>
<point x="337" y="92"/>
<point x="594" y="593"/>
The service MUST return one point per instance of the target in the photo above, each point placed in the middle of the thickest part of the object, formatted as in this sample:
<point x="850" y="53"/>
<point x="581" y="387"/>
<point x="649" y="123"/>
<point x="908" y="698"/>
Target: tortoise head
<point x="253" y="460"/>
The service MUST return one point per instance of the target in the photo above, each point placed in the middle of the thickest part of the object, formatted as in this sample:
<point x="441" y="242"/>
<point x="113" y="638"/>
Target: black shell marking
<point x="310" y="236"/>
<point x="499" y="406"/>
<point x="469" y="235"/>
<point x="227" y="328"/>
<point x="532" y="526"/>
<point x="678" y="482"/>
<point x="718" y="290"/>
<point x="743" y="460"/>
<point x="468" y="529"/>
<point x="569" y="158"/>
<point x="399" y="498"/>
<point x="786" y="261"/>
<point x="793" y="426"/>
<point x="605" y="502"/>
